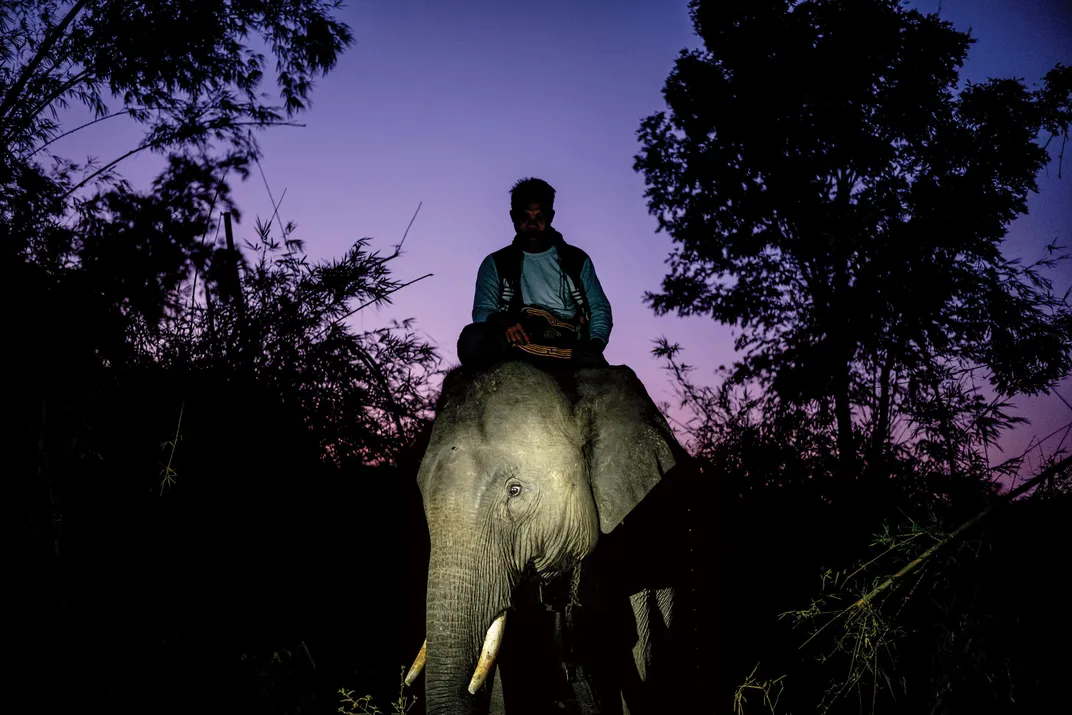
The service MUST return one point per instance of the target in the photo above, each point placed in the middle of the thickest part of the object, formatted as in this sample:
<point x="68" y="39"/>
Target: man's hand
<point x="509" y="328"/>
<point x="516" y="335"/>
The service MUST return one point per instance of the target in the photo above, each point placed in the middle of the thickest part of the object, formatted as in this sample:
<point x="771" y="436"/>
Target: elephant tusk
<point x="488" y="653"/>
<point x="418" y="664"/>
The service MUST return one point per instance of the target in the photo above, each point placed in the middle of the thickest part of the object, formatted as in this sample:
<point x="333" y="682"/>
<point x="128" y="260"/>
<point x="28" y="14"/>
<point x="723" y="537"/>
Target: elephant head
<point x="522" y="474"/>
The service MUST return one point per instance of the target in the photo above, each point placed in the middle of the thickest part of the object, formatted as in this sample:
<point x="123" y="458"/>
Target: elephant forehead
<point x="510" y="452"/>
<point x="510" y="418"/>
<point x="522" y="429"/>
<point x="520" y="457"/>
<point x="467" y="475"/>
<point x="533" y="459"/>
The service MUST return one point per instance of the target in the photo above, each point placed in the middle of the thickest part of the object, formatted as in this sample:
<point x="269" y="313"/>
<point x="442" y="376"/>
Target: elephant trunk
<point x="465" y="597"/>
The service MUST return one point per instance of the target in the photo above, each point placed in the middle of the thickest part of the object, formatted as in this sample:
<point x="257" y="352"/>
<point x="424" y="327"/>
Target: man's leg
<point x="480" y="344"/>
<point x="589" y="353"/>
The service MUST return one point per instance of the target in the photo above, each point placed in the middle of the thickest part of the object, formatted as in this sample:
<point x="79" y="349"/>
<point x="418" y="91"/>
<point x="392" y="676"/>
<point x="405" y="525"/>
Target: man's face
<point x="531" y="220"/>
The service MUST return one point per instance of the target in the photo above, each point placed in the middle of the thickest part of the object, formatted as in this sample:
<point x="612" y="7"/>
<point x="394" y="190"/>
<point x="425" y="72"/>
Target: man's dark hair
<point x="532" y="189"/>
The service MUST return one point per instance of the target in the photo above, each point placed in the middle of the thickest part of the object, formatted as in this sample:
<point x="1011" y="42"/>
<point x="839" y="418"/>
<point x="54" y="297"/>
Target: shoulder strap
<point x="573" y="260"/>
<point x="508" y="264"/>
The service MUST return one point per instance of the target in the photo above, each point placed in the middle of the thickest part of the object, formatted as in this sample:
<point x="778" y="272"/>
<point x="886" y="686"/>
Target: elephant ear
<point x="629" y="444"/>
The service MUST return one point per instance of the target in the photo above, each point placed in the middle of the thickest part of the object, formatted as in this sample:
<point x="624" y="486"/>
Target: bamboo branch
<point x="915" y="563"/>
<point x="14" y="128"/>
<point x="168" y="471"/>
<point x="156" y="143"/>
<point x="377" y="374"/>
<point x="63" y="89"/>
<point x="72" y="131"/>
<point x="109" y="165"/>
<point x="43" y="51"/>
<point x="398" y="248"/>
<point x="370" y="302"/>
<point x="275" y="206"/>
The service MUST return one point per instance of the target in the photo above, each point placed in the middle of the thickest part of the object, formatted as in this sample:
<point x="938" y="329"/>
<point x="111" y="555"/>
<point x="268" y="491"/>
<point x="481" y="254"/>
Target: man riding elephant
<point x="540" y="449"/>
<point x="538" y="297"/>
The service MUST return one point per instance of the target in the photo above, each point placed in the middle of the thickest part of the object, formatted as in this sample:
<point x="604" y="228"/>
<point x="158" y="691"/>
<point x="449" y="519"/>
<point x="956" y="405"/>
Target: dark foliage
<point x="965" y="631"/>
<point x="206" y="458"/>
<point x="836" y="196"/>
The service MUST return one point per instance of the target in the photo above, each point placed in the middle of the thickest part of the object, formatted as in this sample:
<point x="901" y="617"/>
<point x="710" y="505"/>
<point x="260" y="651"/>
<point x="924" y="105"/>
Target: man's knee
<point x="478" y="343"/>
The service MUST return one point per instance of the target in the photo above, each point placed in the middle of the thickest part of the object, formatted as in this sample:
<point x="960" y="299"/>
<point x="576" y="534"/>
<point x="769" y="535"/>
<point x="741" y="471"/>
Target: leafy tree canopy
<point x="188" y="73"/>
<point x="111" y="277"/>
<point x="831" y="192"/>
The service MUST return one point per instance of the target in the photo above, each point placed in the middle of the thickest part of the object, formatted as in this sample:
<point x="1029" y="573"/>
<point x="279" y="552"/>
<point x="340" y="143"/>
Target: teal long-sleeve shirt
<point x="541" y="286"/>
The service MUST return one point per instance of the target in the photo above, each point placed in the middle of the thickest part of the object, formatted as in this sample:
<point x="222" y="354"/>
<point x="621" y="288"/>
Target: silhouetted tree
<point x="959" y="630"/>
<point x="188" y="74"/>
<point x="833" y="195"/>
<point x="108" y="289"/>
<point x="186" y="71"/>
<point x="364" y="395"/>
<point x="88" y="259"/>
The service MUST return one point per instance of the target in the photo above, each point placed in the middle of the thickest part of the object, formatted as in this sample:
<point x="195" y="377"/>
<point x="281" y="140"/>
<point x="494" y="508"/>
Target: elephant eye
<point x="514" y="490"/>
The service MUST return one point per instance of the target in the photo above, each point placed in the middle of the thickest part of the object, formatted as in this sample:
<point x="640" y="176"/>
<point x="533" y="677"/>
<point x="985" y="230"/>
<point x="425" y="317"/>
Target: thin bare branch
<point x="366" y="304"/>
<point x="275" y="206"/>
<point x="156" y="143"/>
<point x="398" y="248"/>
<point x="78" y="128"/>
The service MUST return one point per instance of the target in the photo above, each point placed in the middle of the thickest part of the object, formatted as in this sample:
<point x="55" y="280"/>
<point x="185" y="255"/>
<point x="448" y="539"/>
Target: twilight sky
<point x="449" y="103"/>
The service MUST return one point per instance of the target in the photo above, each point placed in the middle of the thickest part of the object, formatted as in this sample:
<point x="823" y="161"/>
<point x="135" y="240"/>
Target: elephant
<point x="525" y="472"/>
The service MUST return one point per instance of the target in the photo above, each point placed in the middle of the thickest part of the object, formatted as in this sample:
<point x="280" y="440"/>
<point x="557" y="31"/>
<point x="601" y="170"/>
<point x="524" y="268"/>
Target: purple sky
<point x="449" y="103"/>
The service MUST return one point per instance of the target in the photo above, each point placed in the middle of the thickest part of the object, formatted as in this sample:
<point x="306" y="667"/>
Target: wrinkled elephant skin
<point x="520" y="478"/>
